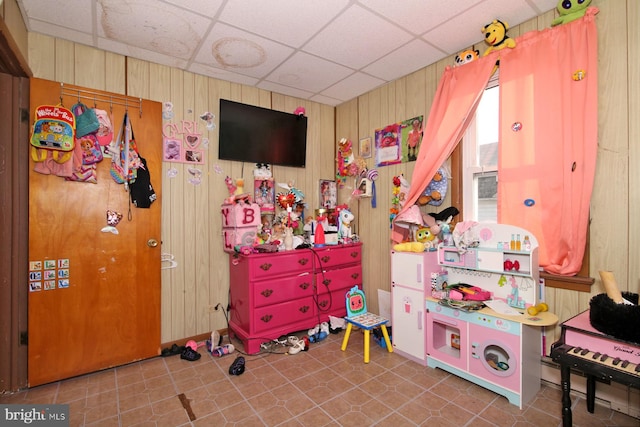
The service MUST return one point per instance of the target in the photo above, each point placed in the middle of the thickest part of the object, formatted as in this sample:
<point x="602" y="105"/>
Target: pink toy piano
<point x="598" y="355"/>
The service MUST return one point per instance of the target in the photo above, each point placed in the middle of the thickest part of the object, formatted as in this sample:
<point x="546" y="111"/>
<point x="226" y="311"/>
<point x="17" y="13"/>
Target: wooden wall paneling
<point x="175" y="212"/>
<point x="160" y="92"/>
<point x="204" y="297"/>
<point x="192" y="240"/>
<point x="64" y="61"/>
<point x="324" y="152"/>
<point x="610" y="200"/>
<point x="137" y="78"/>
<point x="89" y="64"/>
<point x="114" y="72"/>
<point x="219" y="265"/>
<point x="633" y="32"/>
<point x="42" y="56"/>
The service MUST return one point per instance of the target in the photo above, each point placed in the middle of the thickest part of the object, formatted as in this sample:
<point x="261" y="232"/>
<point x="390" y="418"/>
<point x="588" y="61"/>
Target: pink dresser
<point x="280" y="293"/>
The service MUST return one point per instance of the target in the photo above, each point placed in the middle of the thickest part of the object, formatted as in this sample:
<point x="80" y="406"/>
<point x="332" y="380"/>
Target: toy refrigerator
<point x="410" y="286"/>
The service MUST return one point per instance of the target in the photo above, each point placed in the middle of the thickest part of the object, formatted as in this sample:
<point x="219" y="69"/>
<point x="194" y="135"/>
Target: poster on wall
<point x="328" y="194"/>
<point x="388" y="145"/>
<point x="411" y="138"/>
<point x="399" y="142"/>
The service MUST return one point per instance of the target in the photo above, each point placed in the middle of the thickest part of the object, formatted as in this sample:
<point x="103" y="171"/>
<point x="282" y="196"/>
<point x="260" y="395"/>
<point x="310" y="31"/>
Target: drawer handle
<point x="304" y="308"/>
<point x="303" y="261"/>
<point x="304" y="285"/>
<point x="326" y="282"/>
<point x="355" y="275"/>
<point x="266" y="266"/>
<point x="326" y="258"/>
<point x="267" y="293"/>
<point x="323" y="303"/>
<point x="266" y="318"/>
<point x="354" y="254"/>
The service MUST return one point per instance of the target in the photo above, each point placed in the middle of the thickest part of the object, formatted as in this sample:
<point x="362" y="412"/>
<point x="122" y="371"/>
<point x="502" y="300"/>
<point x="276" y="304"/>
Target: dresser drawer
<point x="332" y="256"/>
<point x="289" y="263"/>
<point x="285" y="313"/>
<point x="287" y="288"/>
<point x="341" y="278"/>
<point x="334" y="302"/>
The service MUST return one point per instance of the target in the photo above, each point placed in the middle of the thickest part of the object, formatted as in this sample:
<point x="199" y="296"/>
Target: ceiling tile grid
<point x="327" y="51"/>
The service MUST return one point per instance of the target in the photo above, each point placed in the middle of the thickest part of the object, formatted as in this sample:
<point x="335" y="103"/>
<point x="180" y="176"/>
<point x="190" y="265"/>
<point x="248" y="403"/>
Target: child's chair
<point x="358" y="315"/>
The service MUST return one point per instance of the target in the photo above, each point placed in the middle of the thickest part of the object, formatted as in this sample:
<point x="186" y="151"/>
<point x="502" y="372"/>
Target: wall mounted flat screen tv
<point x="259" y="135"/>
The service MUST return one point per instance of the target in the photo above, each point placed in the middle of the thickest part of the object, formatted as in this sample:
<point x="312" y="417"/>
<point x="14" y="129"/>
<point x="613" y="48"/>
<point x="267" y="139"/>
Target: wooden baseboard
<point x="196" y="338"/>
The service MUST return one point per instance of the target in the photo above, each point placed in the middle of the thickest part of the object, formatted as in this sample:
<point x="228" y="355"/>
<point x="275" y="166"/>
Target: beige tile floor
<point x="321" y="387"/>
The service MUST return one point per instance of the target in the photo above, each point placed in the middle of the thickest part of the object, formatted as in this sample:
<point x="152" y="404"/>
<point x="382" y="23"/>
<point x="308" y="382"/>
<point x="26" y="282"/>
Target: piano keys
<point x="599" y="356"/>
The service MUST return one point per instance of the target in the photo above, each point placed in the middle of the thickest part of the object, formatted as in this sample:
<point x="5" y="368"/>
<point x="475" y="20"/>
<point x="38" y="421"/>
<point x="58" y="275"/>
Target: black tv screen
<point x="259" y="135"/>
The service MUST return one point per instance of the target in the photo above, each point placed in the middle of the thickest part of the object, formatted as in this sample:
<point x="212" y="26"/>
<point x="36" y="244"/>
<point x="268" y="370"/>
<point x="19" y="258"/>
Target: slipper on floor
<point x="237" y="367"/>
<point x="172" y="351"/>
<point x="190" y="354"/>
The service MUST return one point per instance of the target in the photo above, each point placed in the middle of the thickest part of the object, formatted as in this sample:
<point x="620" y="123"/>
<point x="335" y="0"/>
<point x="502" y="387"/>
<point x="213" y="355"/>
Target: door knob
<point x="152" y="243"/>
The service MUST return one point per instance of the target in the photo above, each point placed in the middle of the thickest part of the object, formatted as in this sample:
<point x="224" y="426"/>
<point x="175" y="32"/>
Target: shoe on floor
<point x="172" y="351"/>
<point x="190" y="354"/>
<point x="237" y="367"/>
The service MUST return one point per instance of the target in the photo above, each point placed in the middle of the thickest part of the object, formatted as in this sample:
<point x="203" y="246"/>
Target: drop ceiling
<point x="327" y="51"/>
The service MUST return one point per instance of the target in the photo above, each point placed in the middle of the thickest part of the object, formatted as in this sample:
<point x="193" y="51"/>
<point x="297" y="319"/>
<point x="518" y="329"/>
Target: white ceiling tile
<point x="291" y="22"/>
<point x="218" y="73"/>
<point x="304" y="71"/>
<point x="354" y="85"/>
<point x="231" y="49"/>
<point x="419" y="16"/>
<point x="152" y="25"/>
<point x="412" y="56"/>
<point x="285" y="90"/>
<point x="326" y="100"/>
<point x="140" y="53"/>
<point x="357" y="38"/>
<point x="65" y="15"/>
<point x="203" y="7"/>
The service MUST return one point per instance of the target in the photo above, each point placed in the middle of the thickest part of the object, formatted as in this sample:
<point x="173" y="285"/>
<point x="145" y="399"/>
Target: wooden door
<point x="109" y="314"/>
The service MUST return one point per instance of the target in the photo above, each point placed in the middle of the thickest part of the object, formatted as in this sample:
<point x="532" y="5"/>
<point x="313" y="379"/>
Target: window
<point x="480" y="160"/>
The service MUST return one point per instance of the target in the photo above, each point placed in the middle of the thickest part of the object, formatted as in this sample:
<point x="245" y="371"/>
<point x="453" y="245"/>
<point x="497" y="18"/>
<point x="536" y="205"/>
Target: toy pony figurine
<point x="345" y="217"/>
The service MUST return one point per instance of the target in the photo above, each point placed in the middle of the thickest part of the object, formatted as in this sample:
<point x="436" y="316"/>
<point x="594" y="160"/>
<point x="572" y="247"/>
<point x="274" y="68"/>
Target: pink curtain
<point x="548" y="135"/>
<point x="548" y="139"/>
<point x="453" y="107"/>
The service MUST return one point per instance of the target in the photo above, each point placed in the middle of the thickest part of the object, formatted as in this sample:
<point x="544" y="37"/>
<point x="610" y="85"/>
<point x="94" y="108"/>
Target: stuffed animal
<point x="425" y="236"/>
<point x="570" y="10"/>
<point x="440" y="224"/>
<point x="345" y="217"/>
<point x="409" y="247"/>
<point x="466" y="56"/>
<point x="436" y="190"/>
<point x="495" y="35"/>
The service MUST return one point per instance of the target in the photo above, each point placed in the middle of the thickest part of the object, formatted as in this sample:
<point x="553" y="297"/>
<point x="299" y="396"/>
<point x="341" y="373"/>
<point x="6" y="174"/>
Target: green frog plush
<point x="570" y="10"/>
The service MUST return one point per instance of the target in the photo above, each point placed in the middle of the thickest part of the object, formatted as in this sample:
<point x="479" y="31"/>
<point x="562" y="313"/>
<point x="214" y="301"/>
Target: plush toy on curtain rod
<point x="495" y="35"/>
<point x="570" y="10"/>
